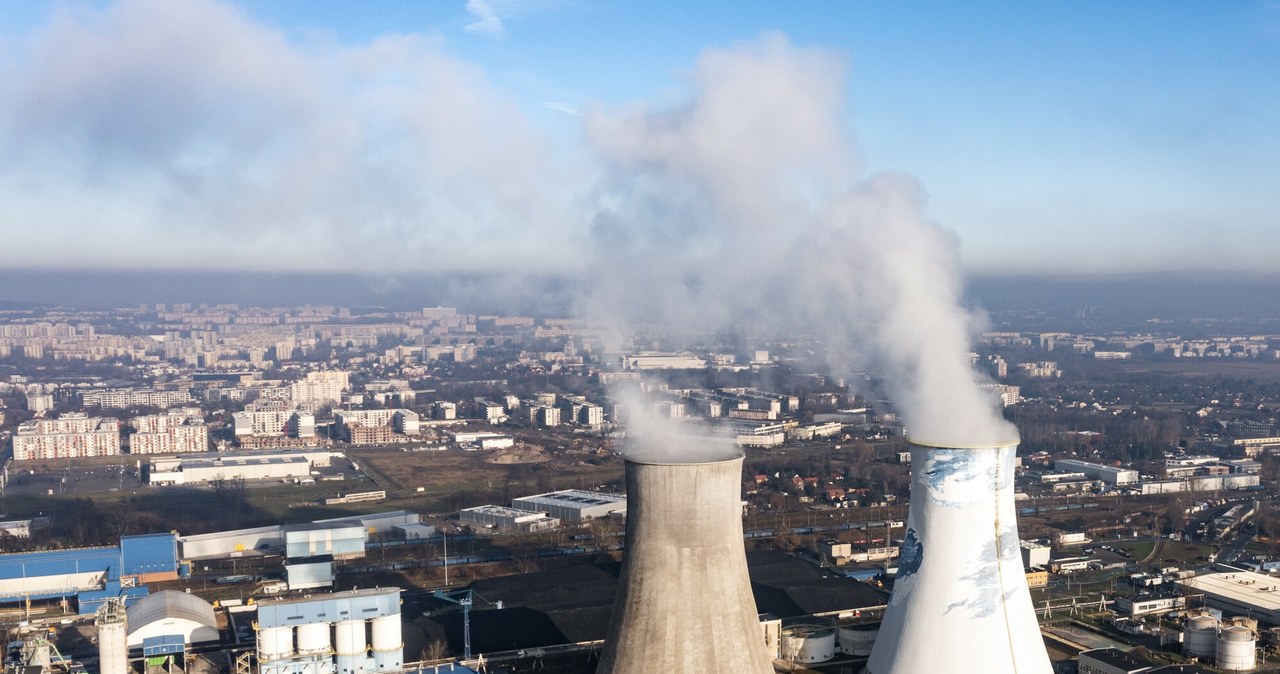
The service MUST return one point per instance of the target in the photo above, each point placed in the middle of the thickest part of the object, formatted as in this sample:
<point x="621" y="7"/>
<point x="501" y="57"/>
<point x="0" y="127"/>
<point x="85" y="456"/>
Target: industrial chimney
<point x="960" y="602"/>
<point x="684" y="601"/>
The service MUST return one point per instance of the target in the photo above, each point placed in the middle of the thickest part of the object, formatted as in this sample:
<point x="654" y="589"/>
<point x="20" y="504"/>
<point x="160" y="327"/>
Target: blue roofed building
<point x="89" y="574"/>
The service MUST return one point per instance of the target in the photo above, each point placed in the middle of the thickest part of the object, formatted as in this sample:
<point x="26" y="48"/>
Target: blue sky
<point x="1057" y="137"/>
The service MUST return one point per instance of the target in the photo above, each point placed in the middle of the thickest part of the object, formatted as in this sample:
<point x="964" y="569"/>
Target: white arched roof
<point x="169" y="612"/>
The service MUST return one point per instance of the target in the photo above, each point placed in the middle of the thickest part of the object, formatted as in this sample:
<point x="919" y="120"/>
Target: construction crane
<point x="464" y="598"/>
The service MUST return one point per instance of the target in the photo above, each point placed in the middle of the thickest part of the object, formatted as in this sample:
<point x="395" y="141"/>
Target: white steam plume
<point x="744" y="205"/>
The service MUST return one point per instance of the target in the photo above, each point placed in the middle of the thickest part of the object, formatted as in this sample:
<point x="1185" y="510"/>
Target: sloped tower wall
<point x="685" y="602"/>
<point x="960" y="602"/>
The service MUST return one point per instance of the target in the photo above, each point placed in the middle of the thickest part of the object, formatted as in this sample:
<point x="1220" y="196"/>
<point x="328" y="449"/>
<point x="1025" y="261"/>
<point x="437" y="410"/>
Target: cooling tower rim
<point x="661" y="458"/>
<point x="934" y="444"/>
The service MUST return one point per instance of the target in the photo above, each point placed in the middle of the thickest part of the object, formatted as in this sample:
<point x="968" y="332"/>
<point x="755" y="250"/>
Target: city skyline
<point x="471" y="137"/>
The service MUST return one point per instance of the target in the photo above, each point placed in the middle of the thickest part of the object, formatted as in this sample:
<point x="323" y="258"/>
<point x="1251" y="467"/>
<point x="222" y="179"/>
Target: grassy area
<point x="1183" y="552"/>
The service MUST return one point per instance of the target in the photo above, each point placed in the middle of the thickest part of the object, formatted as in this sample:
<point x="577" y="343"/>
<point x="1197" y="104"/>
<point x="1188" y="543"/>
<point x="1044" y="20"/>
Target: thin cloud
<point x="566" y="108"/>
<point x="488" y="22"/>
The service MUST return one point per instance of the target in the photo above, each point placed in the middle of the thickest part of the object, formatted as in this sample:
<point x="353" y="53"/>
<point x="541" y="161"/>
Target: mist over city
<point x="544" y="335"/>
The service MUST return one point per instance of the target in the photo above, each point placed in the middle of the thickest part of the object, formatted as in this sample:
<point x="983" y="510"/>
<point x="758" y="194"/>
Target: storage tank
<point x="807" y="644"/>
<point x="350" y="646"/>
<point x="313" y="638"/>
<point x="857" y="640"/>
<point x="1245" y="621"/>
<point x="388" y="649"/>
<point x="113" y="637"/>
<point x="1236" y="649"/>
<point x="684" y="598"/>
<point x="275" y="643"/>
<point x="1199" y="636"/>
<point x="961" y="597"/>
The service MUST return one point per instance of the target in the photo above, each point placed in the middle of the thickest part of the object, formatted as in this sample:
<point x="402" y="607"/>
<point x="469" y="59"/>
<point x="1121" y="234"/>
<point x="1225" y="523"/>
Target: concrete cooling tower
<point x="684" y="601"/>
<point x="960" y="603"/>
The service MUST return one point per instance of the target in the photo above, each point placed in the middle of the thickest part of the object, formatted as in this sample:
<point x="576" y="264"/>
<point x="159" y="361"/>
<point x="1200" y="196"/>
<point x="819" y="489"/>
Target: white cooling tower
<point x="960" y="602"/>
<point x="684" y="602"/>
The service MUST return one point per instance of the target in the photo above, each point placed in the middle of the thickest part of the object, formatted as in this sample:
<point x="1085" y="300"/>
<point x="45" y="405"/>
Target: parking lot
<point x="72" y="480"/>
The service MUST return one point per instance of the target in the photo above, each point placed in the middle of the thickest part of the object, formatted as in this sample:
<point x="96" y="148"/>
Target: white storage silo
<point x="807" y="644"/>
<point x="1199" y="636"/>
<point x="113" y="638"/>
<point x="313" y="638"/>
<point x="388" y="649"/>
<point x="1236" y="649"/>
<point x="275" y="643"/>
<point x="350" y="646"/>
<point x="857" y="640"/>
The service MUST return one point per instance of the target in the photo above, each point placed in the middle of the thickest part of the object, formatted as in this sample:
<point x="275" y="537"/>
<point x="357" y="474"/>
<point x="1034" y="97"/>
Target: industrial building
<point x="169" y="613"/>
<point x="355" y="632"/>
<point x="272" y="539"/>
<point x="1242" y="592"/>
<point x="1112" y="475"/>
<point x="573" y="505"/>
<point x="341" y="540"/>
<point x="89" y="574"/>
<point x="507" y="519"/>
<point x="305" y="573"/>
<point x="237" y="466"/>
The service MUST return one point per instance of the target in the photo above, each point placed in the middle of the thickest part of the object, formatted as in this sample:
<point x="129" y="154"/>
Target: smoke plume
<point x="744" y="205"/>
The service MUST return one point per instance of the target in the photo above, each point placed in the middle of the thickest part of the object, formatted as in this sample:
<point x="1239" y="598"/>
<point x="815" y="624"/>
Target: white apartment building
<point x="169" y="434"/>
<point x="274" y="418"/>
<point x="120" y="398"/>
<point x="70" y="436"/>
<point x="320" y="388"/>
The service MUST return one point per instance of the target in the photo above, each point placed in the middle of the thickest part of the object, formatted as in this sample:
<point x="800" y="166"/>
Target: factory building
<point x="169" y="613"/>
<point x="1112" y="475"/>
<point x="507" y="519"/>
<point x="89" y="574"/>
<point x="272" y="539"/>
<point x="342" y="540"/>
<point x="573" y="505"/>
<point x="355" y="632"/>
<point x="1240" y="592"/>
<point x="238" y="465"/>
<point x="306" y="573"/>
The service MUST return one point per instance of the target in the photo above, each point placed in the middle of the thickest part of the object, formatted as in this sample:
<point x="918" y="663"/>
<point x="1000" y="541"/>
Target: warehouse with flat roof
<point x="1240" y="592"/>
<point x="573" y="505"/>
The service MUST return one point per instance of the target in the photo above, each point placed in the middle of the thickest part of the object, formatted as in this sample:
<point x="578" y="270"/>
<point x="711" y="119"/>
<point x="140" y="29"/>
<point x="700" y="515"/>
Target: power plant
<point x="961" y="595"/>
<point x="685" y="603"/>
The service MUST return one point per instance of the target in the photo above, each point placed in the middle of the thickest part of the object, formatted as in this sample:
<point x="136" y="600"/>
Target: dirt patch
<point x="522" y="453"/>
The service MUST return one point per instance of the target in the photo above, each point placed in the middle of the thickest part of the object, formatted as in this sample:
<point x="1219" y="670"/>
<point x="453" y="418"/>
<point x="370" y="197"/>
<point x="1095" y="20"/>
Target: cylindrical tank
<point x="684" y="601"/>
<point x="1199" y="636"/>
<point x="808" y="643"/>
<point x="961" y="596"/>
<point x="313" y="638"/>
<point x="350" y="646"/>
<point x="1245" y="621"/>
<point x="388" y="649"/>
<point x="113" y="638"/>
<point x="857" y="640"/>
<point x="275" y="643"/>
<point x="1236" y="649"/>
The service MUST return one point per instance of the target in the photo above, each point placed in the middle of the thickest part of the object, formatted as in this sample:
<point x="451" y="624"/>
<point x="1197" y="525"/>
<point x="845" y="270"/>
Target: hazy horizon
<point x="1146" y="296"/>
